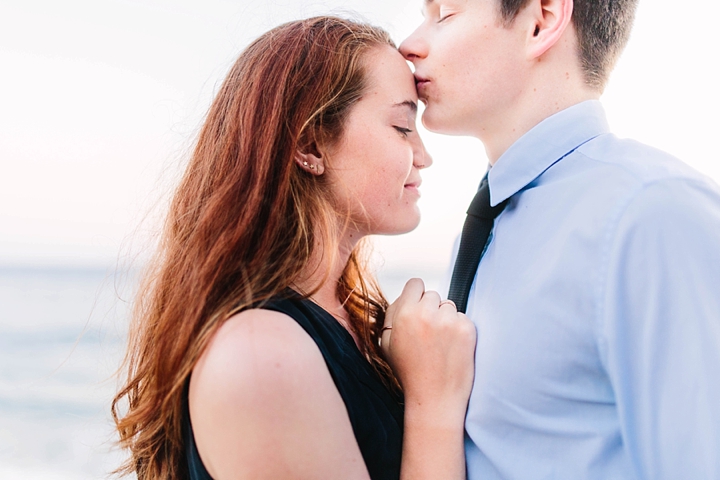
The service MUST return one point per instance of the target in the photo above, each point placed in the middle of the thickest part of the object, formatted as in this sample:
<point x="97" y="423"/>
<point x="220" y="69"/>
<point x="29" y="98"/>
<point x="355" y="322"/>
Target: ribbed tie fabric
<point x="476" y="230"/>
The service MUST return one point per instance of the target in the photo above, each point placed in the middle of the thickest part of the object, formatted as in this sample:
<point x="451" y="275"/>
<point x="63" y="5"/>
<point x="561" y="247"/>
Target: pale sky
<point x="100" y="99"/>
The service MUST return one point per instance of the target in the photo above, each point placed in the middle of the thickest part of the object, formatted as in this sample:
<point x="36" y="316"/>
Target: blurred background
<point x="99" y="104"/>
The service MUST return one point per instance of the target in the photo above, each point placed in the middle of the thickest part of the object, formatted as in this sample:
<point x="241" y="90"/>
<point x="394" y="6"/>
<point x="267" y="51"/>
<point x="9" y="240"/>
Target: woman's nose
<point x="421" y="157"/>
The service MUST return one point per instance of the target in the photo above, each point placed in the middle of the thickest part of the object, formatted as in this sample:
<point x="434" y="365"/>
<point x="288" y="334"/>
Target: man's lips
<point x="421" y="85"/>
<point x="420" y="82"/>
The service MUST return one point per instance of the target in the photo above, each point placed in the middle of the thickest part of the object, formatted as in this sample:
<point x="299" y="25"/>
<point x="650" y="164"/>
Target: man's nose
<point x="414" y="46"/>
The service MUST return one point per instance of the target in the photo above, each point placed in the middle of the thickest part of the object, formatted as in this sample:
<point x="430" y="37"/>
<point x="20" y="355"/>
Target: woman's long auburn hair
<point x="243" y="225"/>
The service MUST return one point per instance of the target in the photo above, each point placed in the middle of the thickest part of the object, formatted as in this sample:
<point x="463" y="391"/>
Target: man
<point x="597" y="299"/>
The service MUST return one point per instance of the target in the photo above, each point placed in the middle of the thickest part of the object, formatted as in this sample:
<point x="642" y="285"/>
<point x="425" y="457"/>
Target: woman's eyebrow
<point x="407" y="103"/>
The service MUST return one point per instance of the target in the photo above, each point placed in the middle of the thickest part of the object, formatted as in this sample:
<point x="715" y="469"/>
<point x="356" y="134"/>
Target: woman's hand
<point x="431" y="349"/>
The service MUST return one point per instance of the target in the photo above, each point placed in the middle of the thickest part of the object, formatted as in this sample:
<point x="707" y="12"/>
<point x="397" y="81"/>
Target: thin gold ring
<point x="389" y="327"/>
<point x="447" y="302"/>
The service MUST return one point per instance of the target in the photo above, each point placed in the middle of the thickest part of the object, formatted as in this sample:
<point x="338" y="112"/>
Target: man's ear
<point x="549" y="21"/>
<point x="311" y="161"/>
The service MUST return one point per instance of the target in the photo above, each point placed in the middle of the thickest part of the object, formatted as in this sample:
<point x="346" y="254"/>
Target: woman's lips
<point x="413" y="187"/>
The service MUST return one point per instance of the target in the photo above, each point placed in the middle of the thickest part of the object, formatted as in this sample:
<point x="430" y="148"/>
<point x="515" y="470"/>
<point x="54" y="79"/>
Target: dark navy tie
<point x="478" y="224"/>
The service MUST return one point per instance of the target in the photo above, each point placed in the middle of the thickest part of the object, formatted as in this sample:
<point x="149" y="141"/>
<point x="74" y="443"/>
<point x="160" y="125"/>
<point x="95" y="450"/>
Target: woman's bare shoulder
<point x="256" y="339"/>
<point x="256" y="353"/>
<point x="262" y="401"/>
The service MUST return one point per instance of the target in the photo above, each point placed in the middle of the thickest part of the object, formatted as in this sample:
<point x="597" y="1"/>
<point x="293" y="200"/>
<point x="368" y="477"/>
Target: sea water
<point x="62" y="337"/>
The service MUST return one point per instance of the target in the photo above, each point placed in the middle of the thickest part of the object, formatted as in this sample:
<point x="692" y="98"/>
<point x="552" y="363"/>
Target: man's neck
<point x="537" y="105"/>
<point x="552" y="83"/>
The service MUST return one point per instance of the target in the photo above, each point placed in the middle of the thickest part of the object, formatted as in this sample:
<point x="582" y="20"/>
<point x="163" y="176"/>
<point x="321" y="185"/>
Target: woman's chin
<point x="406" y="226"/>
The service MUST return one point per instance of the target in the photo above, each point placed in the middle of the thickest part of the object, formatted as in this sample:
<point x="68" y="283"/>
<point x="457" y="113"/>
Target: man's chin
<point x="438" y="122"/>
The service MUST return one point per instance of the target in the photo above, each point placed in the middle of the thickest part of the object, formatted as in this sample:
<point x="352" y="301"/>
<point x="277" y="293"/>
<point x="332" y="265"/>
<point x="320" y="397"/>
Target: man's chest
<point x="534" y="303"/>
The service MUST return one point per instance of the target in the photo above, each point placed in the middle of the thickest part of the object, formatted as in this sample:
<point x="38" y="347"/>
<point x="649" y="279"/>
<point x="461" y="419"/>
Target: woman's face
<point x="374" y="170"/>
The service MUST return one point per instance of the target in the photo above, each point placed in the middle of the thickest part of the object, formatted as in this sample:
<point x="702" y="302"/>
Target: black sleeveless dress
<point x="375" y="413"/>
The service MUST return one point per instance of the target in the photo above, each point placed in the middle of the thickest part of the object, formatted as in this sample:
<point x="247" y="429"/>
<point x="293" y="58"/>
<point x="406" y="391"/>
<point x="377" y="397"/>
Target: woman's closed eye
<point x="403" y="131"/>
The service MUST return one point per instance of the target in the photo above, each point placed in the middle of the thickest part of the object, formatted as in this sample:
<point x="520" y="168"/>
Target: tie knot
<point x="480" y="205"/>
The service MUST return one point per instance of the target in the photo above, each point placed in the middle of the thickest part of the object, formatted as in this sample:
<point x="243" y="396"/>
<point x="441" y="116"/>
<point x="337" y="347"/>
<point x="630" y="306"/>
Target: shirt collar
<point x="545" y="144"/>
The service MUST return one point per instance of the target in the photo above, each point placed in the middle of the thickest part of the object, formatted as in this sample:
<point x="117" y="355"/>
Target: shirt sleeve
<point x="659" y="331"/>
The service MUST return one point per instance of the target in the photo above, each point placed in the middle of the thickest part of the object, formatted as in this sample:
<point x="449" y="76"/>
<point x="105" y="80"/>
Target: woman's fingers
<point x="430" y="347"/>
<point x="410" y="296"/>
<point x="448" y="303"/>
<point x="412" y="291"/>
<point x="384" y="338"/>
<point x="431" y="299"/>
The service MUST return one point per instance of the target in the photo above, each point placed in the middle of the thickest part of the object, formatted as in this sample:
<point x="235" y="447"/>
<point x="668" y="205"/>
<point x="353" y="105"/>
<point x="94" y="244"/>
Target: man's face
<point x="470" y="69"/>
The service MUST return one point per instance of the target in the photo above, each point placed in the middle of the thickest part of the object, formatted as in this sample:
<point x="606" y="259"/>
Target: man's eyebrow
<point x="407" y="103"/>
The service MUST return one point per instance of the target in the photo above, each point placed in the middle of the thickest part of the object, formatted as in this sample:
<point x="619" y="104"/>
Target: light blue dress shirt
<point x="597" y="305"/>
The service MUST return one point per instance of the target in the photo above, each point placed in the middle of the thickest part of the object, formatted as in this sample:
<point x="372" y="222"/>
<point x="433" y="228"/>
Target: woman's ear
<point x="550" y="21"/>
<point x="310" y="161"/>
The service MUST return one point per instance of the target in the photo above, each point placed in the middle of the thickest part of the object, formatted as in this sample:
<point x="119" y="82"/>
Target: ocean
<point x="62" y="334"/>
<point x="62" y="337"/>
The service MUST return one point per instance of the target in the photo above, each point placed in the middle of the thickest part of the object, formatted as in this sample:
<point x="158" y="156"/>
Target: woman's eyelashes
<point x="403" y="131"/>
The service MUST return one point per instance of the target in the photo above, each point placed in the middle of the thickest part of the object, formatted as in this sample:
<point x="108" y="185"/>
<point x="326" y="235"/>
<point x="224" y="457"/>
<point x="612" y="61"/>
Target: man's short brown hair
<point x="603" y="28"/>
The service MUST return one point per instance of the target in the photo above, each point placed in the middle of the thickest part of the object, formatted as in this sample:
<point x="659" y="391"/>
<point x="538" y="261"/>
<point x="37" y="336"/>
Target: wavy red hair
<point x="243" y="224"/>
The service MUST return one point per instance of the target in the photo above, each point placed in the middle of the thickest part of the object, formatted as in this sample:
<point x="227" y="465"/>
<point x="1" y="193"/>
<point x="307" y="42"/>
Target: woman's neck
<point x="321" y="276"/>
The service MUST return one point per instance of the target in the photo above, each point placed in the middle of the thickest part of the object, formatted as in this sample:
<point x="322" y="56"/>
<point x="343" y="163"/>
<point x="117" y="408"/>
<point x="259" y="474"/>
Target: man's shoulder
<point x="634" y="162"/>
<point x="606" y="175"/>
<point x="626" y="180"/>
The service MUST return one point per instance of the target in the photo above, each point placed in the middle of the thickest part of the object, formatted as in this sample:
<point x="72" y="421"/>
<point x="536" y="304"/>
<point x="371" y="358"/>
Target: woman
<point x="257" y="344"/>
